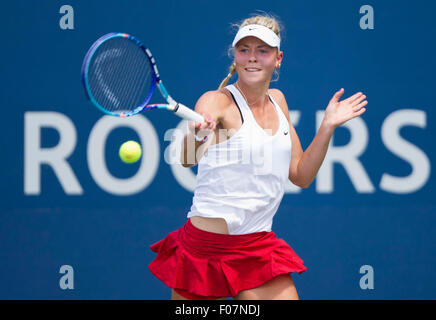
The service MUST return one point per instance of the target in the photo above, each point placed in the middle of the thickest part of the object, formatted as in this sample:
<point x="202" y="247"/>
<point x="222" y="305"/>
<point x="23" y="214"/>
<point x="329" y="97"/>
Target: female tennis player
<point x="246" y="150"/>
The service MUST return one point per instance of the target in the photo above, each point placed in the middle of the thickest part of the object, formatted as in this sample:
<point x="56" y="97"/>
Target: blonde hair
<point x="266" y="20"/>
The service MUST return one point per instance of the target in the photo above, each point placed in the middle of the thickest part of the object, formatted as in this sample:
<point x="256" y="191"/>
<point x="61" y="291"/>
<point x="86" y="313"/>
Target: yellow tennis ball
<point x="130" y="151"/>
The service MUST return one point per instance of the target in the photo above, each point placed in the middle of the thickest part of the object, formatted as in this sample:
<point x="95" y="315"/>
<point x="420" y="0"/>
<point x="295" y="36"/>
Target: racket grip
<point x="188" y="114"/>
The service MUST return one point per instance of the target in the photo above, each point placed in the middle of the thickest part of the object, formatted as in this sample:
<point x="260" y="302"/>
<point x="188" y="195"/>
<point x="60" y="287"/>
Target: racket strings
<point x="120" y="76"/>
<point x="140" y="80"/>
<point x="101" y="84"/>
<point x="138" y="77"/>
<point x="131" y="93"/>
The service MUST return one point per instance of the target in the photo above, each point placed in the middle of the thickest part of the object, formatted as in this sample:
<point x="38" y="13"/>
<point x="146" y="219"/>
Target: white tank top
<point x="242" y="179"/>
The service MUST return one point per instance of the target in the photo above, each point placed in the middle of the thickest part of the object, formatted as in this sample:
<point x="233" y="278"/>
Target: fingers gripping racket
<point x="119" y="75"/>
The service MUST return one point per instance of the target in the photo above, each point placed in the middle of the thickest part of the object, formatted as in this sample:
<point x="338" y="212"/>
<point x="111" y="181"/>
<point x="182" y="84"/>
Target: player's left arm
<point x="305" y="165"/>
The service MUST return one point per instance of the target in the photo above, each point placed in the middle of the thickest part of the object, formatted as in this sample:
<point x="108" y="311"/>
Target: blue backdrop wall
<point x="62" y="182"/>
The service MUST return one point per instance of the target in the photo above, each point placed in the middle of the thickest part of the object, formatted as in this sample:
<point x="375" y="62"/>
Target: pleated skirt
<point x="204" y="265"/>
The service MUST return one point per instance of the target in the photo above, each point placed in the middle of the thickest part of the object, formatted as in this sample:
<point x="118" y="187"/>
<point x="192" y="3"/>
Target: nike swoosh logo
<point x="285" y="133"/>
<point x="252" y="28"/>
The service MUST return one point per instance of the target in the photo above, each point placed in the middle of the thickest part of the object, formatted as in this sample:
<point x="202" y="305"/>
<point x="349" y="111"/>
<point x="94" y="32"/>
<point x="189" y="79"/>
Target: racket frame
<point x="171" y="105"/>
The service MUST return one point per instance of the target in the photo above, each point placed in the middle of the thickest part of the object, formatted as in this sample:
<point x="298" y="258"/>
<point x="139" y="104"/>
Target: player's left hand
<point x="339" y="112"/>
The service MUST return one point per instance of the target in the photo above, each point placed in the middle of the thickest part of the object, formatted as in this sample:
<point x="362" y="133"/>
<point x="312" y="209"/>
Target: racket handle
<point x="188" y="114"/>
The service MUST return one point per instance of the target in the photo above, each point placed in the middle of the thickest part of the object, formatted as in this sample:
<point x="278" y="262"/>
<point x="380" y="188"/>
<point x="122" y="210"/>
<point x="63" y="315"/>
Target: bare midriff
<point x="215" y="225"/>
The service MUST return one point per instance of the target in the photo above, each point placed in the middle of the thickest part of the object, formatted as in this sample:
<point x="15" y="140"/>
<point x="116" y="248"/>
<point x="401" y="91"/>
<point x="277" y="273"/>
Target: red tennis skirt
<point x="204" y="265"/>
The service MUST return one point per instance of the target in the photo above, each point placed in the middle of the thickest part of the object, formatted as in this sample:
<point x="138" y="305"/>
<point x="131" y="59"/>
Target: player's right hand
<point x="206" y="127"/>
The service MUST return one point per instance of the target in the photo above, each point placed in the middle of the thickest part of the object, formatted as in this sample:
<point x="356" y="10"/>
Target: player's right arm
<point x="211" y="106"/>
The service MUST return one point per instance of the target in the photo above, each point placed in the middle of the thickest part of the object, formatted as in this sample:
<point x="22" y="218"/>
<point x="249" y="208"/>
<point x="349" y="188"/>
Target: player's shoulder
<point x="214" y="99"/>
<point x="216" y="96"/>
<point x="277" y="95"/>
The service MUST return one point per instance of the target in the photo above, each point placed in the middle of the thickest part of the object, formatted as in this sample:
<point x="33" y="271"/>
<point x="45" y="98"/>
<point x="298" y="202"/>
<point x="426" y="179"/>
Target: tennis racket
<point x="119" y="75"/>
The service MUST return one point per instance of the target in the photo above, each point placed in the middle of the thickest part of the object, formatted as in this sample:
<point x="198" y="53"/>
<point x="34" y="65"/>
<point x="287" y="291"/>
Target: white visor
<point x="261" y="32"/>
